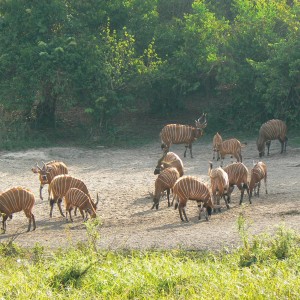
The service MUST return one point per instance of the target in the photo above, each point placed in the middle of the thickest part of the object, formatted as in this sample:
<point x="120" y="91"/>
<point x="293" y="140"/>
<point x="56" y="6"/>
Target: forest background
<point x="115" y="71"/>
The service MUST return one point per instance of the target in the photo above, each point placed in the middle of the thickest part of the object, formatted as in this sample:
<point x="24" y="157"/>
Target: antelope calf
<point x="182" y="134"/>
<point x="164" y="182"/>
<point x="237" y="175"/>
<point x="48" y="171"/>
<point x="169" y="160"/>
<point x="271" y="130"/>
<point x="77" y="198"/>
<point x="15" y="200"/>
<point x="231" y="146"/>
<point x="60" y="185"/>
<point x="258" y="172"/>
<point x="219" y="184"/>
<point x="190" y="188"/>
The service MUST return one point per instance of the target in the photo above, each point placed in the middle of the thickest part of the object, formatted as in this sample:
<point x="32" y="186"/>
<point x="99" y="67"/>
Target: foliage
<point x="108" y="58"/>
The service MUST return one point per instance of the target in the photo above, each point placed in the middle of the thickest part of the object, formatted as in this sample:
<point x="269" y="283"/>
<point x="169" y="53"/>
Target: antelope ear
<point x="36" y="169"/>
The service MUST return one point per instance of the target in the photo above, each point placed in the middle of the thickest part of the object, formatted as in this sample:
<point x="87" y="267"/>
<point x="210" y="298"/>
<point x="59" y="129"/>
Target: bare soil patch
<point x="124" y="178"/>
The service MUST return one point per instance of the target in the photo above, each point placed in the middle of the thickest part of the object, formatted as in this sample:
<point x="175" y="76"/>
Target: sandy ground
<point x="124" y="177"/>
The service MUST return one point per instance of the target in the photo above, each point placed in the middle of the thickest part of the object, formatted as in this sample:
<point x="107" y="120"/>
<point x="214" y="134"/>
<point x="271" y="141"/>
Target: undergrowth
<point x="265" y="266"/>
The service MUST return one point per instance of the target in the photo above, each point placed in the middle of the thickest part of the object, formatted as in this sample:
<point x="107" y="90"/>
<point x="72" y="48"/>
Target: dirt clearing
<point x="124" y="178"/>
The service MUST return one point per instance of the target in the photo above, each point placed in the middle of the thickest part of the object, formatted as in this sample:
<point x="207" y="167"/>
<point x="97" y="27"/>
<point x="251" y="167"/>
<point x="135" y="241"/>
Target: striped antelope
<point x="271" y="130"/>
<point x="48" y="171"/>
<point x="164" y="182"/>
<point x="190" y="188"/>
<point x="15" y="200"/>
<point x="169" y="159"/>
<point x="231" y="146"/>
<point x="182" y="134"/>
<point x="237" y="175"/>
<point x="77" y="198"/>
<point x="258" y="172"/>
<point x="58" y="188"/>
<point x="219" y="184"/>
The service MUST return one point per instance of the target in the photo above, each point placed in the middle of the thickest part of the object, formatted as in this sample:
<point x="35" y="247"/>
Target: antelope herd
<point x="171" y="178"/>
<point x="222" y="180"/>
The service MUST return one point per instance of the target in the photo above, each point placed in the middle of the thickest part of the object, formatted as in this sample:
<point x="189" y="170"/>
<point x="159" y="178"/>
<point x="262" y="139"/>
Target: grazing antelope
<point x="77" y="198"/>
<point x="164" y="182"/>
<point x="271" y="130"/>
<point x="58" y="188"/>
<point x="15" y="200"/>
<point x="190" y="188"/>
<point x="182" y="134"/>
<point x="258" y="172"/>
<point x="237" y="175"/>
<point x="231" y="146"/>
<point x="169" y="160"/>
<point x="219" y="184"/>
<point x="48" y="171"/>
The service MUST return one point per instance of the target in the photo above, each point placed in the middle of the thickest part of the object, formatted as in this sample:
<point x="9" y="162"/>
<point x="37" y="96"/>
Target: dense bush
<point x="149" y="57"/>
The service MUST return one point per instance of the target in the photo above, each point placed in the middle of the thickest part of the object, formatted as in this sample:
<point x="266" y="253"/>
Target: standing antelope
<point x="231" y="146"/>
<point x="271" y="130"/>
<point x="216" y="140"/>
<point x="165" y="181"/>
<point x="237" y="175"/>
<point x="219" y="184"/>
<point x="48" y="171"/>
<point x="168" y="160"/>
<point x="60" y="185"/>
<point x="77" y="198"/>
<point x="258" y="172"/>
<point x="182" y="134"/>
<point x="15" y="200"/>
<point x="190" y="188"/>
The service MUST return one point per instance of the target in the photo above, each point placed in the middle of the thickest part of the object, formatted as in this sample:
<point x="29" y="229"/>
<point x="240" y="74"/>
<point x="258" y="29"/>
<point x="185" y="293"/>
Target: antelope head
<point x="43" y="172"/>
<point x="201" y="123"/>
<point x="159" y="164"/>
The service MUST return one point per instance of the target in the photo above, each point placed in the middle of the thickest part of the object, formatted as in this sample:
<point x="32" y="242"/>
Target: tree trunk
<point x="45" y="110"/>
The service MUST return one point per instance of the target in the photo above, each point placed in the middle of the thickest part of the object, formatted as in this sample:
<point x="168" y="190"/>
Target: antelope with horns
<point x="258" y="172"/>
<point x="169" y="160"/>
<point x="164" y="182"/>
<point x="182" y="134"/>
<point x="231" y="146"/>
<point x="237" y="175"/>
<point x="190" y="188"/>
<point x="219" y="184"/>
<point x="14" y="200"/>
<point x="77" y="198"/>
<point x="271" y="130"/>
<point x="48" y="171"/>
<point x="60" y="185"/>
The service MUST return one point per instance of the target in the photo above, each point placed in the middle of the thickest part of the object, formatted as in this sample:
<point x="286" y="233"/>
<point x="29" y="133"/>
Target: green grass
<point x="264" y="267"/>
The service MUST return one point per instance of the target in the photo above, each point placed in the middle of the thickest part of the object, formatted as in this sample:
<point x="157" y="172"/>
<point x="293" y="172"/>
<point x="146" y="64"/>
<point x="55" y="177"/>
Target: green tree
<point x="257" y="26"/>
<point x="35" y="56"/>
